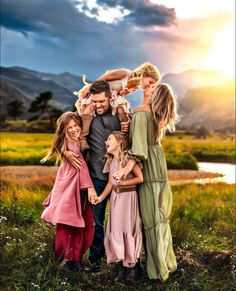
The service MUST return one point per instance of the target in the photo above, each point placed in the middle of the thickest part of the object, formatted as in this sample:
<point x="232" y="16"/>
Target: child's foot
<point x="121" y="273"/>
<point x="132" y="275"/>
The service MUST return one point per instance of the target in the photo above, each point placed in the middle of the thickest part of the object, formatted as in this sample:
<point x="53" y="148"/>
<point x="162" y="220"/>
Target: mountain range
<point x="204" y="97"/>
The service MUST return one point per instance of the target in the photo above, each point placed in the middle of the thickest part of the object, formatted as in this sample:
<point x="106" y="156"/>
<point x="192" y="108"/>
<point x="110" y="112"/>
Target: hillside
<point x="186" y="80"/>
<point x="212" y="107"/>
<point x="203" y="97"/>
<point x="25" y="85"/>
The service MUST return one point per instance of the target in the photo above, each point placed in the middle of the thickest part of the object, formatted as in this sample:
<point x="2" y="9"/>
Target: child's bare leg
<point x="123" y="117"/>
<point x="86" y="121"/>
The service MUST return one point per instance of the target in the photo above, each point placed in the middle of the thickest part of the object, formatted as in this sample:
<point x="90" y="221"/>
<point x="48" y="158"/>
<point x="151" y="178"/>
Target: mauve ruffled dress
<point x="123" y="239"/>
<point x="67" y="206"/>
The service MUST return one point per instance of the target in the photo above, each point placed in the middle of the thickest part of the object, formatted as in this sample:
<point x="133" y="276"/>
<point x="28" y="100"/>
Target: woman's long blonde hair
<point x="60" y="137"/>
<point x="124" y="147"/>
<point x="163" y="106"/>
<point x="147" y="70"/>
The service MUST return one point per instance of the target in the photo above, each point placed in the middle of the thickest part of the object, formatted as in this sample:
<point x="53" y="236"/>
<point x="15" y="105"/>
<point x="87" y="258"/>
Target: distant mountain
<point x="184" y="81"/>
<point x="211" y="107"/>
<point x="25" y="84"/>
<point x="204" y="98"/>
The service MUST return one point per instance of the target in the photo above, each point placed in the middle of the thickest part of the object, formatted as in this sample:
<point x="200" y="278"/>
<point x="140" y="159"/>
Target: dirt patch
<point x="29" y="172"/>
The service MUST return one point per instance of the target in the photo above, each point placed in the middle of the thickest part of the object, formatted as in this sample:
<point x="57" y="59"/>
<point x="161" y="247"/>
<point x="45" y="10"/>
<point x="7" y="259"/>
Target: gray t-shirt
<point x="100" y="129"/>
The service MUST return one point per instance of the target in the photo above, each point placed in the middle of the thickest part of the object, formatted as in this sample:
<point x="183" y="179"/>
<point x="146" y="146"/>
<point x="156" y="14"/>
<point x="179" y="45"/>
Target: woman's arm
<point x="124" y="172"/>
<point x="137" y="179"/>
<point x="114" y="75"/>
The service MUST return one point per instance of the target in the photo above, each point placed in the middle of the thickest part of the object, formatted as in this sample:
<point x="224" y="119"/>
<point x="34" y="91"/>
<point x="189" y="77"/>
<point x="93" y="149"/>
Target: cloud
<point x="144" y="13"/>
<point x="55" y="36"/>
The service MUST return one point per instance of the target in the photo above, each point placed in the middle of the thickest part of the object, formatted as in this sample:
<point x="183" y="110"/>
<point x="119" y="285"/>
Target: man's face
<point x="100" y="103"/>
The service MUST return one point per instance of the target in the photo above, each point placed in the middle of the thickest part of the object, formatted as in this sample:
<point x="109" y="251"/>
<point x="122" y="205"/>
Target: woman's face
<point x="73" y="130"/>
<point x="149" y="90"/>
<point x="147" y="81"/>
<point x="112" y="144"/>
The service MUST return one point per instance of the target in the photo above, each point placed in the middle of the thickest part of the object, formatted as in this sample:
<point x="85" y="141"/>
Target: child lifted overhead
<point x="122" y="82"/>
<point x="68" y="205"/>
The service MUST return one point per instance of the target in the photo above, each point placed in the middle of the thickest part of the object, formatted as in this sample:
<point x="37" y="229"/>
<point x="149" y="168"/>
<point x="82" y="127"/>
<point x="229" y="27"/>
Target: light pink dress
<point x="116" y="99"/>
<point x="63" y="204"/>
<point x="123" y="239"/>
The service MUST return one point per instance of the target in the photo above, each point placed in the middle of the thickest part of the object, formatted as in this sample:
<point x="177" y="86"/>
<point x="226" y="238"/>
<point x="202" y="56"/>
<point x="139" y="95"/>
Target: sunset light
<point x="222" y="56"/>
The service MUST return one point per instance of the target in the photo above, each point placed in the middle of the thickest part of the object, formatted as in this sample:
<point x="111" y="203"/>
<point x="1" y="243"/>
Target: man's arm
<point x="73" y="159"/>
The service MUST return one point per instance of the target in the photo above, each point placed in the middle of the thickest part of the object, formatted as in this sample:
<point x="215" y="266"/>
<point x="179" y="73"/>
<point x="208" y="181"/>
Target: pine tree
<point x="15" y="108"/>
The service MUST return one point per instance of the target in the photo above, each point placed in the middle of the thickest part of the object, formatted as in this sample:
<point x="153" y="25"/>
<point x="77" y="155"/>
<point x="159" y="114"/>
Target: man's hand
<point x="73" y="159"/>
<point x="125" y="126"/>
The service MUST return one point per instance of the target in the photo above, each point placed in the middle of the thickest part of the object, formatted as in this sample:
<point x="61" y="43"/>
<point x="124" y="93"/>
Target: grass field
<point x="202" y="225"/>
<point x="181" y="153"/>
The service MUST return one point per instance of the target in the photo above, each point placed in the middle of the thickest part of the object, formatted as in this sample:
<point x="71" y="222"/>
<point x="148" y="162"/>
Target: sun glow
<point x="222" y="56"/>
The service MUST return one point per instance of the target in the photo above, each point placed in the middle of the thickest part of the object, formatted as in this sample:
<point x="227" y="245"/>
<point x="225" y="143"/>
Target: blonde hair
<point x="147" y="70"/>
<point x="163" y="106"/>
<point x="133" y="83"/>
<point x="124" y="147"/>
<point x="60" y="137"/>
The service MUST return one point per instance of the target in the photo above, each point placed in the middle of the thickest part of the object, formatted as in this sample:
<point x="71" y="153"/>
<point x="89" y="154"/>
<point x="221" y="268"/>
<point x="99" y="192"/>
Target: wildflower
<point x="3" y="218"/>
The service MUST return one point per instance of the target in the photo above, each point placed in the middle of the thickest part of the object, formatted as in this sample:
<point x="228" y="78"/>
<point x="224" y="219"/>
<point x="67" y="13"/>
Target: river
<point x="227" y="170"/>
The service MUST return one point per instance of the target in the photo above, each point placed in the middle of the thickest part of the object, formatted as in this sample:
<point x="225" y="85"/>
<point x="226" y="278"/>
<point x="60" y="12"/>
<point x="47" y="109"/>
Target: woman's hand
<point x="73" y="159"/>
<point x="124" y="172"/>
<point x="120" y="174"/>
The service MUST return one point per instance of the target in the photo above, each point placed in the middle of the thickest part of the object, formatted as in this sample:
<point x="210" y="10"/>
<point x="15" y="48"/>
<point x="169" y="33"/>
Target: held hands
<point x="92" y="195"/>
<point x="97" y="200"/>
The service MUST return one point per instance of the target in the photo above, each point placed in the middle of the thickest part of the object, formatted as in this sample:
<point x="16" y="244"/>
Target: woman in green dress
<point x="148" y="126"/>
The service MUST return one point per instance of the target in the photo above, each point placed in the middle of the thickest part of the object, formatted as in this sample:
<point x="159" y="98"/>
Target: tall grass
<point x="202" y="225"/>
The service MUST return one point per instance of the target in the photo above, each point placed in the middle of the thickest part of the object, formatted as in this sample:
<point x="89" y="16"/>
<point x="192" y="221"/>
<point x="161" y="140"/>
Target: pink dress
<point x="123" y="239"/>
<point x="67" y="206"/>
<point x="64" y="202"/>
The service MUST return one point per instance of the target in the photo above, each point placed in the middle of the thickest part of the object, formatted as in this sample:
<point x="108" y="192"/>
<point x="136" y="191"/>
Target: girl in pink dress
<point x="68" y="205"/>
<point x="123" y="237"/>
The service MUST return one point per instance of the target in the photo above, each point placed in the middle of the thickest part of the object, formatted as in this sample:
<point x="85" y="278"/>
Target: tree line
<point x="40" y="108"/>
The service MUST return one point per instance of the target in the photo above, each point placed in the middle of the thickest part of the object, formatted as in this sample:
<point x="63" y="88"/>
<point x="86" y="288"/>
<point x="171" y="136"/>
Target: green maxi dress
<point x="155" y="197"/>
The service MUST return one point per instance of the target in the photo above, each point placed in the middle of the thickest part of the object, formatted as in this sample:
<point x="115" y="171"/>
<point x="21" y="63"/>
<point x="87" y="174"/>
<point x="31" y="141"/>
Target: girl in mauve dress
<point x="123" y="237"/>
<point x="68" y="205"/>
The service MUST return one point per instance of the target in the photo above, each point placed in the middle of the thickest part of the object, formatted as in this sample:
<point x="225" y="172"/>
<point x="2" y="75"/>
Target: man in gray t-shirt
<point x="101" y="127"/>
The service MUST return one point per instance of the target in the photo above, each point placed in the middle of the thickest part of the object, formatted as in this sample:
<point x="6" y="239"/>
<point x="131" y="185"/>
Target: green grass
<point x="202" y="225"/>
<point x="181" y="153"/>
<point x="212" y="149"/>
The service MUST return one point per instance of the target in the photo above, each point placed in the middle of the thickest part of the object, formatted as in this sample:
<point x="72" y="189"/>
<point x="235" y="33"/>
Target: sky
<point x="98" y="35"/>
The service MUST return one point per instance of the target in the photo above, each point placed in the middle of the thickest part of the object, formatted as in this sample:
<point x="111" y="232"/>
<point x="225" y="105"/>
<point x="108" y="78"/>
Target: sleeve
<point x="139" y="148"/>
<point x="107" y="166"/>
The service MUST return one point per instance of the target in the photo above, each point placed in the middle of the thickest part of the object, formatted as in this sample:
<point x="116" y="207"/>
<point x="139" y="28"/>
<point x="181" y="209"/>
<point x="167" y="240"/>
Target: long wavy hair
<point x="60" y="138"/>
<point x="123" y="139"/>
<point x="163" y="106"/>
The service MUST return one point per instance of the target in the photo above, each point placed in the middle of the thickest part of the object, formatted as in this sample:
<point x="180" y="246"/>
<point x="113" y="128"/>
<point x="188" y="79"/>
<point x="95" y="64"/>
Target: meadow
<point x="182" y="152"/>
<point x="202" y="224"/>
